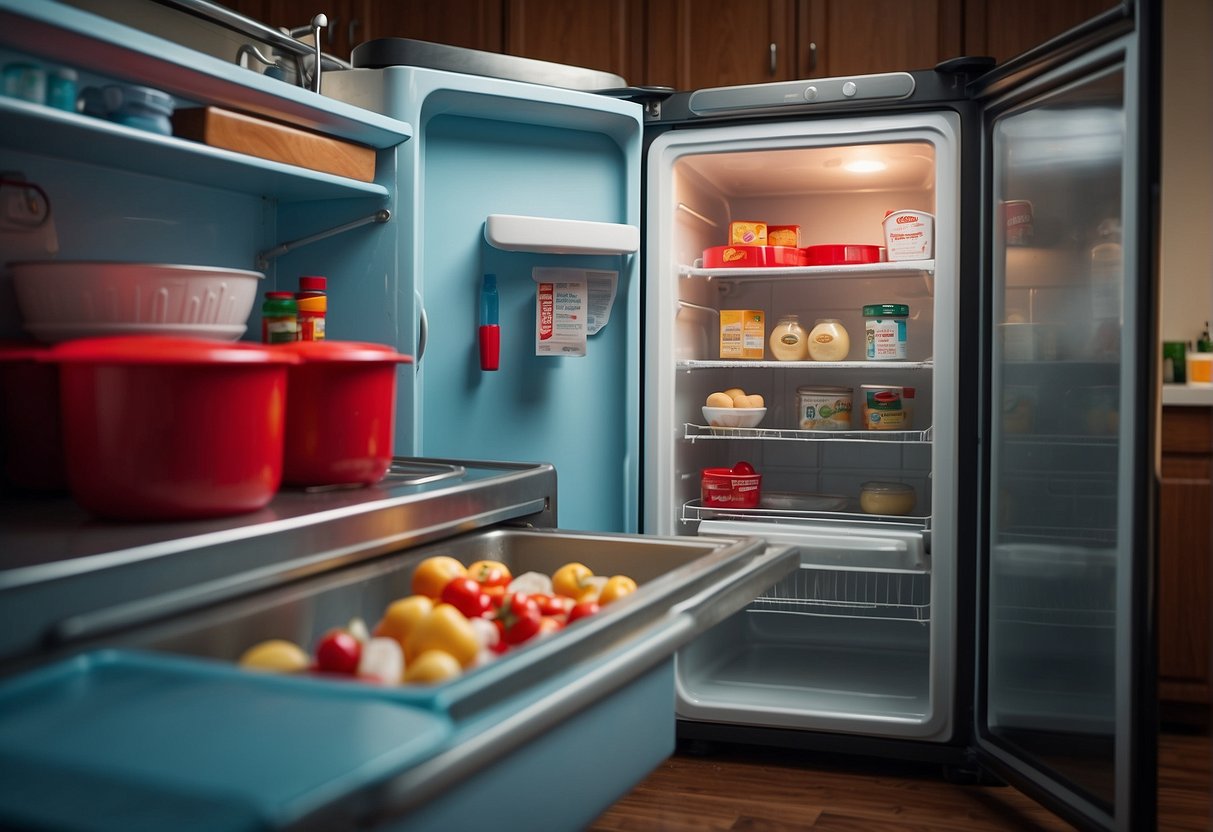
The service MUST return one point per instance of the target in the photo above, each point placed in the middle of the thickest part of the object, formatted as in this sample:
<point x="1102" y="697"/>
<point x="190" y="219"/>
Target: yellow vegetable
<point x="571" y="580"/>
<point x="277" y="656"/>
<point x="402" y="616"/>
<point x="615" y="588"/>
<point x="433" y="573"/>
<point x="445" y="629"/>
<point x="432" y="666"/>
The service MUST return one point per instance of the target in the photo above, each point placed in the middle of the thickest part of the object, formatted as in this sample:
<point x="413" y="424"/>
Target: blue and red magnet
<point x="490" y="331"/>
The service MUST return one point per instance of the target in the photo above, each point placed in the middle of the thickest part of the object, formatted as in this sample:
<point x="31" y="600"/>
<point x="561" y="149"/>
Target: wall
<point x="1187" y="169"/>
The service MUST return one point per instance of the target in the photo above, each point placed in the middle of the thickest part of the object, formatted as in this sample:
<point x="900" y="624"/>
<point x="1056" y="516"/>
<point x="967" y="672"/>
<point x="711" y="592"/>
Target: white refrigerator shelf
<point x="695" y="433"/>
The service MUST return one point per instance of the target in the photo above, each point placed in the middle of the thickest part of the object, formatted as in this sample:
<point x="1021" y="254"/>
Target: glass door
<point x="1065" y="668"/>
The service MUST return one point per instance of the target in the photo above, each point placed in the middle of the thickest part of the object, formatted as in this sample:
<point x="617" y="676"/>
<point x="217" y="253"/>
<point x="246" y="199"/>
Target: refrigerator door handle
<point x="423" y="327"/>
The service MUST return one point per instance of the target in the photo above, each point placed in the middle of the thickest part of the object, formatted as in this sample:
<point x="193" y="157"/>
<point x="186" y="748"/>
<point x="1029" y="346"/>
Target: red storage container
<point x="31" y="443"/>
<point x="841" y="255"/>
<point x="744" y="257"/>
<point x="341" y="412"/>
<point x="171" y="428"/>
<point x="724" y="488"/>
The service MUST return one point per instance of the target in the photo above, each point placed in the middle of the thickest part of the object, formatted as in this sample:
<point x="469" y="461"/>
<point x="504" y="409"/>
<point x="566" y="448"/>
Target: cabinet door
<point x="1185" y="548"/>
<point x="606" y="35"/>
<point x="841" y="37"/>
<point x="473" y="24"/>
<point x="1003" y="29"/>
<point x="709" y="43"/>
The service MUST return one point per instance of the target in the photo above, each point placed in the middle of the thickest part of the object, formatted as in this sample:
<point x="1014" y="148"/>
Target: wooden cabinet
<point x="473" y="24"/>
<point x="842" y="37"/>
<point x="607" y="35"/>
<point x="1003" y="29"/>
<point x="715" y="43"/>
<point x="1184" y="553"/>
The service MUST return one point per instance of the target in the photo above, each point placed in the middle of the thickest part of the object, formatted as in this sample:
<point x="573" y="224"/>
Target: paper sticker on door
<point x="570" y="305"/>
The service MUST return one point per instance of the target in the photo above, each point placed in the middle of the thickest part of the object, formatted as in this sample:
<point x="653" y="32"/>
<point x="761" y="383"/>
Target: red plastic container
<point x="340" y="412"/>
<point x="31" y="442"/>
<point x="744" y="257"/>
<point x="722" y="488"/>
<point x="841" y="255"/>
<point x="159" y="428"/>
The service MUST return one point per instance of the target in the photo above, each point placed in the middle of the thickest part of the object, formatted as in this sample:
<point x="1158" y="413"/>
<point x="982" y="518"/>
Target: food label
<point x="886" y="339"/>
<point x="909" y="235"/>
<point x="884" y="408"/>
<point x="824" y="412"/>
<point x="748" y="233"/>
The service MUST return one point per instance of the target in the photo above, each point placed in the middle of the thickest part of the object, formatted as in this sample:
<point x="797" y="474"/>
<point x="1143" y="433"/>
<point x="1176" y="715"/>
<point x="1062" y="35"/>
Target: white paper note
<point x="570" y="305"/>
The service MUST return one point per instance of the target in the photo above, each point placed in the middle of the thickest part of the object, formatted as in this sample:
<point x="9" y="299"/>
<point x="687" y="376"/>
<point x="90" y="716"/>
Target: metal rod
<point x="264" y="258"/>
<point x="684" y="207"/>
<point x="700" y="307"/>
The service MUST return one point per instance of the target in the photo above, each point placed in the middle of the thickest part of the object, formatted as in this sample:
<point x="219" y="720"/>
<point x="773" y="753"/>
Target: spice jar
<point x="279" y="318"/>
<point x="788" y="341"/>
<point x="829" y="341"/>
<point x="313" y="307"/>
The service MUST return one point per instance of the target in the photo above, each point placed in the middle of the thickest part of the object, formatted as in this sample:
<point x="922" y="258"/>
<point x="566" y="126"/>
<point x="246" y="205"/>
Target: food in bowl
<point x="890" y="498"/>
<point x="733" y="417"/>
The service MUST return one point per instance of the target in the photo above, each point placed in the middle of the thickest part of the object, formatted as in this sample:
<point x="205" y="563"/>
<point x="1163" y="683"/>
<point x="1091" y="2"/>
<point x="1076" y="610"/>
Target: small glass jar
<point x="829" y="341"/>
<point x="279" y="318"/>
<point x="889" y="498"/>
<point x="788" y="340"/>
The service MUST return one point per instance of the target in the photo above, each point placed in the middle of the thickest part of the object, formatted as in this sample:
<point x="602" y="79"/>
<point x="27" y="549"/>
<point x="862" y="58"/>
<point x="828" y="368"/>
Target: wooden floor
<point x="766" y="790"/>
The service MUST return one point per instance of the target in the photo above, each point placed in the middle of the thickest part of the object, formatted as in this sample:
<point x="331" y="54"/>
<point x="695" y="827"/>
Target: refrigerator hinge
<point x="652" y="110"/>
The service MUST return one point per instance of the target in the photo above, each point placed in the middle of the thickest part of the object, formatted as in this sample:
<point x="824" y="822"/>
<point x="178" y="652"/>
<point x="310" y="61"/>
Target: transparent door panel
<point x="1057" y="553"/>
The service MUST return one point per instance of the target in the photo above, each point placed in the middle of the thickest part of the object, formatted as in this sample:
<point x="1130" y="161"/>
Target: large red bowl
<point x="341" y="412"/>
<point x="171" y="428"/>
<point x="30" y="437"/>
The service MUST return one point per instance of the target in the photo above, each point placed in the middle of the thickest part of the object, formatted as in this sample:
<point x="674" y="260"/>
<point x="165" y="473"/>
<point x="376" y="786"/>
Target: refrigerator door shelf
<point x="836" y="546"/>
<point x="511" y="232"/>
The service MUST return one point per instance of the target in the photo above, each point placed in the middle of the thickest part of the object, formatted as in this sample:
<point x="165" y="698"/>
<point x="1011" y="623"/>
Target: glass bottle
<point x="788" y="341"/>
<point x="829" y="340"/>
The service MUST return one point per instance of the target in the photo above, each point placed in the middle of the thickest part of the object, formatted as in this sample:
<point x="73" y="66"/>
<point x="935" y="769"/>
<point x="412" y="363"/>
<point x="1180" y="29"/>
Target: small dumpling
<point x="720" y="400"/>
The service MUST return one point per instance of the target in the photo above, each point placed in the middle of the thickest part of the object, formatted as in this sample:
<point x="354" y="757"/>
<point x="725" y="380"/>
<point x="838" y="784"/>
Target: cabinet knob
<point x="812" y="57"/>
<point x="774" y="58"/>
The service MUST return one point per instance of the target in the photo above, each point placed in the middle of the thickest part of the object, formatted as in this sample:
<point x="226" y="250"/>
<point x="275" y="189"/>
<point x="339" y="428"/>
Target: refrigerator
<point x="1003" y="622"/>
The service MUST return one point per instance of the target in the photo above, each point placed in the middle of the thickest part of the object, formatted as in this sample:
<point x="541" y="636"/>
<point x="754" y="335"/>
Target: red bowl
<point x="340" y="414"/>
<point x="158" y="428"/>
<point x="841" y="255"/>
<point x="31" y="442"/>
<point x="744" y="257"/>
<point x="721" y="488"/>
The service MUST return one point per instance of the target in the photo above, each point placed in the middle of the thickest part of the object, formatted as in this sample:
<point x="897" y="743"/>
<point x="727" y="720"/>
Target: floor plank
<point x="773" y="790"/>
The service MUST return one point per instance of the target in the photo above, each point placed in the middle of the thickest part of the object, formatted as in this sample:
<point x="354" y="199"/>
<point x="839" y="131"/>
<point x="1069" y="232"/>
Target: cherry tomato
<point x="743" y="467"/>
<point x="338" y="652"/>
<point x="518" y="618"/>
<point x="466" y="595"/>
<point x="433" y="574"/>
<point x="615" y="588"/>
<point x="552" y="604"/>
<point x="490" y="573"/>
<point x="583" y="610"/>
<point x="549" y="624"/>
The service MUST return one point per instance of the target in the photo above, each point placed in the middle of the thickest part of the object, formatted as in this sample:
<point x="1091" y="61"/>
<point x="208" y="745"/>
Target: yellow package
<point x="748" y="233"/>
<point x="783" y="235"/>
<point x="742" y="333"/>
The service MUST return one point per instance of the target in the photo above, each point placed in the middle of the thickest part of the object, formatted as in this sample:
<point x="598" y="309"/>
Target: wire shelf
<point x="891" y="596"/>
<point x="695" y="510"/>
<point x="883" y="269"/>
<point x="773" y="364"/>
<point x="695" y="433"/>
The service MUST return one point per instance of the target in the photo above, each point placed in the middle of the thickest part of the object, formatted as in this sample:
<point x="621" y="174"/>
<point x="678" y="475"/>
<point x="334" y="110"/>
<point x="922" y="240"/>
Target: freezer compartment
<point x="238" y="749"/>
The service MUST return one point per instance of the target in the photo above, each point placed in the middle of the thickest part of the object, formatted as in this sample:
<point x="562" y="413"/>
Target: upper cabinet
<point x="690" y="44"/>
<point x="842" y="37"/>
<point x="1003" y="29"/>
<point x="716" y="43"/>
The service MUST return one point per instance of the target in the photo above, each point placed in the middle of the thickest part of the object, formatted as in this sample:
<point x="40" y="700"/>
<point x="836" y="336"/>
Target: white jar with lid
<point x="829" y="341"/>
<point x="888" y="498"/>
<point x="788" y="340"/>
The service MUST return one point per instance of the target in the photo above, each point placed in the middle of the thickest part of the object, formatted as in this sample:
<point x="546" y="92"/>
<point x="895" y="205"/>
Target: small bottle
<point x="279" y="318"/>
<point x="490" y="330"/>
<point x="313" y="307"/>
<point x="788" y="341"/>
<point x="829" y="341"/>
<point x="1204" y="343"/>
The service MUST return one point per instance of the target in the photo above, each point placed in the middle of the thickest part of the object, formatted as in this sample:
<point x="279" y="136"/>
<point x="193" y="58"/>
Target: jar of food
<point x="891" y="498"/>
<point x="788" y="340"/>
<point x="312" y="301"/>
<point x="884" y="407"/>
<point x="885" y="331"/>
<point x="829" y="341"/>
<point x="824" y="408"/>
<point x="279" y="318"/>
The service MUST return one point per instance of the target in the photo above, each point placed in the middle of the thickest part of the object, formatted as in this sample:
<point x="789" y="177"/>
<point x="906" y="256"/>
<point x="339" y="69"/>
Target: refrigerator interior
<point x="853" y="641"/>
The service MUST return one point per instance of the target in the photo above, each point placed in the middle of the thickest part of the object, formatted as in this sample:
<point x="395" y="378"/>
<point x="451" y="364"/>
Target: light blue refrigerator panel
<point x="579" y="413"/>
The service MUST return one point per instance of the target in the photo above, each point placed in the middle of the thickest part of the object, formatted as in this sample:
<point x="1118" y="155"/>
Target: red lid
<point x="312" y="283"/>
<point x="160" y="349"/>
<point x="280" y="295"/>
<point x="838" y="255"/>
<point x="343" y="351"/>
<point x="21" y="350"/>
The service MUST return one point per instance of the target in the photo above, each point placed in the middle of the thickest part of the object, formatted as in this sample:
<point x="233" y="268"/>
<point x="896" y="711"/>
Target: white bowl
<point x="733" y="417"/>
<point x="61" y="299"/>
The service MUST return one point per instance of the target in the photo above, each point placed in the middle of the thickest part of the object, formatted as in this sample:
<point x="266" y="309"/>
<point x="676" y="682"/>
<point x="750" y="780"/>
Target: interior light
<point x="864" y="166"/>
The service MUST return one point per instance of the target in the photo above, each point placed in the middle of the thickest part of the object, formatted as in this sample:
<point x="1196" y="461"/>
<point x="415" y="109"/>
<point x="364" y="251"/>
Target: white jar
<point x="829" y="341"/>
<point x="788" y="340"/>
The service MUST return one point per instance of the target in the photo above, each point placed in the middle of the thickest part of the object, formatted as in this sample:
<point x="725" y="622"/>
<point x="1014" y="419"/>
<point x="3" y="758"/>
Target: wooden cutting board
<point x="276" y="142"/>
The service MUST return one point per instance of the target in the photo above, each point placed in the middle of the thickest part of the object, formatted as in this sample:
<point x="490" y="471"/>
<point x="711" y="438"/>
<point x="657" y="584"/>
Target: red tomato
<point x="552" y="604"/>
<point x="338" y="652"/>
<point x="549" y="624"/>
<point x="490" y="573"/>
<point x="743" y="467"/>
<point x="467" y="596"/>
<point x="582" y="610"/>
<point x="518" y="618"/>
